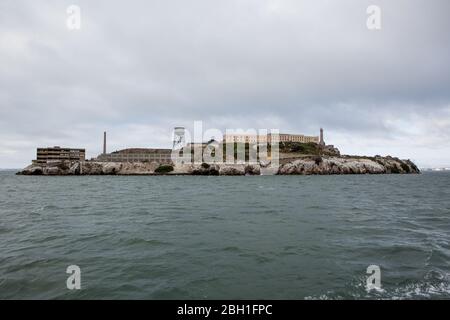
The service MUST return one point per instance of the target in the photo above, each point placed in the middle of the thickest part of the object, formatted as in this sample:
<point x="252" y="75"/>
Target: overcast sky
<point x="138" y="68"/>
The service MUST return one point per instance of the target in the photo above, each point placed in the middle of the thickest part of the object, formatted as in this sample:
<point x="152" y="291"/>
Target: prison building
<point x="137" y="155"/>
<point x="57" y="153"/>
<point x="282" y="137"/>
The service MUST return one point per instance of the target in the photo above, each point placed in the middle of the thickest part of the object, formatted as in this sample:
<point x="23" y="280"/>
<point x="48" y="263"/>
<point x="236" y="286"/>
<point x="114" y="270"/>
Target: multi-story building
<point x="137" y="155"/>
<point x="283" y="137"/>
<point x="269" y="138"/>
<point x="245" y="138"/>
<point x="58" y="153"/>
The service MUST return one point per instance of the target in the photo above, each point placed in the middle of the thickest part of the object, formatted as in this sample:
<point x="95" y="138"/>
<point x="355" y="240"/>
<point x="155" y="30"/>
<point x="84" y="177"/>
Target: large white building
<point x="268" y="138"/>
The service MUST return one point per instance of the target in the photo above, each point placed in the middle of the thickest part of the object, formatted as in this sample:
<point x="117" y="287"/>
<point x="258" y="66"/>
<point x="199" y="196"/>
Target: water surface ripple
<point x="271" y="237"/>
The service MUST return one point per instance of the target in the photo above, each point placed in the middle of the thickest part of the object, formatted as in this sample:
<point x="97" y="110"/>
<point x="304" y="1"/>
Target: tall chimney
<point x="104" y="142"/>
<point x="322" y="143"/>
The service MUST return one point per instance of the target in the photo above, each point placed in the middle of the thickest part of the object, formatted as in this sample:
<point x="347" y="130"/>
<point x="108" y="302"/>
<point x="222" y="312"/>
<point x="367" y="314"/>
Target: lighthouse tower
<point x="322" y="142"/>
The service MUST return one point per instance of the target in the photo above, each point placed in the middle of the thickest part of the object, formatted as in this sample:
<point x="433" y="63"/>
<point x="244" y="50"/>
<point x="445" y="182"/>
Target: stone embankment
<point x="316" y="165"/>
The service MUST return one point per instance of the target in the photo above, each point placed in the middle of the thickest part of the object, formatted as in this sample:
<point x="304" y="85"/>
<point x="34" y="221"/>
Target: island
<point x="295" y="158"/>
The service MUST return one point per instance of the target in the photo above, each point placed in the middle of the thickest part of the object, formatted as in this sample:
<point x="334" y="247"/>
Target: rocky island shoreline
<point x="294" y="158"/>
<point x="308" y="165"/>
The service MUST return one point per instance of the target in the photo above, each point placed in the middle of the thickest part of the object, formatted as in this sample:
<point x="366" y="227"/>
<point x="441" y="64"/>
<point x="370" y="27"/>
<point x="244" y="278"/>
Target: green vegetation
<point x="205" y="165"/>
<point x="284" y="147"/>
<point x="164" y="168"/>
<point x="298" y="147"/>
<point x="307" y="149"/>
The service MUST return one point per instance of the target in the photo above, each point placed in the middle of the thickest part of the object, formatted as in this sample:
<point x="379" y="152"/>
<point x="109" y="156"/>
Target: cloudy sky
<point x="138" y="68"/>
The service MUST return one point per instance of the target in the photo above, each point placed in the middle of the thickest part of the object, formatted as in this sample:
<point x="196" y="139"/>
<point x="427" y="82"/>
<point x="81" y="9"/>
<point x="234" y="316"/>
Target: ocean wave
<point x="434" y="285"/>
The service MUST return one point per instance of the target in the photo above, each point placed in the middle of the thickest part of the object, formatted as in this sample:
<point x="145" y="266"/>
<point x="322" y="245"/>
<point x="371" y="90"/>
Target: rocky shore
<point x="315" y="165"/>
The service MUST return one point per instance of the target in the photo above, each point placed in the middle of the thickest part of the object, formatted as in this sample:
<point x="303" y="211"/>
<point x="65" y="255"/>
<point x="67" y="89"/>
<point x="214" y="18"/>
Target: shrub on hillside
<point x="164" y="168"/>
<point x="205" y="165"/>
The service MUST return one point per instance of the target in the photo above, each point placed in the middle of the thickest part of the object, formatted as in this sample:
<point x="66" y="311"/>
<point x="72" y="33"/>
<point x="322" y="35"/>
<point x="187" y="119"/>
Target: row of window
<point x="254" y="139"/>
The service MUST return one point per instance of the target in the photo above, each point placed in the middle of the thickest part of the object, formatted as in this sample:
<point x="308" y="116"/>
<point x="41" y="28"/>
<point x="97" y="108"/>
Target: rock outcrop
<point x="347" y="165"/>
<point x="63" y="168"/>
<point x="314" y="165"/>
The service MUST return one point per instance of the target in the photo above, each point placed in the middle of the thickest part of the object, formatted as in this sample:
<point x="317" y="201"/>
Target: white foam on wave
<point x="422" y="290"/>
<point x="436" y="284"/>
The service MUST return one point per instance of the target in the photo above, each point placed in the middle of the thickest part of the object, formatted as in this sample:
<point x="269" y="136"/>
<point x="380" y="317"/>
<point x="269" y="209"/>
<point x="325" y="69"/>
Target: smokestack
<point x="104" y="142"/>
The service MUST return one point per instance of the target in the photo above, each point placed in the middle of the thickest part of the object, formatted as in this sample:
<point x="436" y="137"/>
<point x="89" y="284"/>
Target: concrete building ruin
<point x="57" y="153"/>
<point x="135" y="154"/>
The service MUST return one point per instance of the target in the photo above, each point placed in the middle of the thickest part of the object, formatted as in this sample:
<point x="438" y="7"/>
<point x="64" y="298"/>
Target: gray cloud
<point x="139" y="68"/>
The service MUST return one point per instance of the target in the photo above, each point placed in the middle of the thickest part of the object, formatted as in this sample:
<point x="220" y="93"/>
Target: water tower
<point x="179" y="139"/>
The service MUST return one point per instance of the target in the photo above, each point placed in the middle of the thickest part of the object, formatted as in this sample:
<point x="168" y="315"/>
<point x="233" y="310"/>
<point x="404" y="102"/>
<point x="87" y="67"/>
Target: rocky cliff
<point x="314" y="165"/>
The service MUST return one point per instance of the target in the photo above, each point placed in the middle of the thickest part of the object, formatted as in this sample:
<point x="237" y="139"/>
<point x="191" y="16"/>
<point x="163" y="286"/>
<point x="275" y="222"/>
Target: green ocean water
<point x="255" y="237"/>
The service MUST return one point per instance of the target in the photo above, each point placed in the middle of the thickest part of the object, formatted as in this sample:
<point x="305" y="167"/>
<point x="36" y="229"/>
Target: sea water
<point x="249" y="237"/>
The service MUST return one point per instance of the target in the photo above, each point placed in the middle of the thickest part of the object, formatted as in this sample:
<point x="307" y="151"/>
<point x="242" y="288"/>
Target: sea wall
<point x="302" y="166"/>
